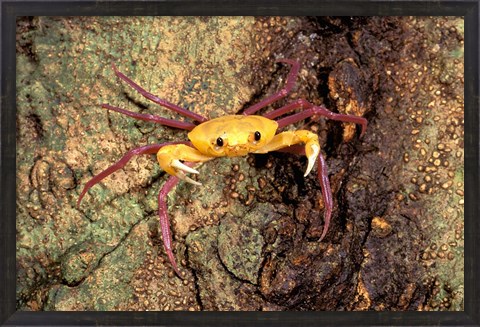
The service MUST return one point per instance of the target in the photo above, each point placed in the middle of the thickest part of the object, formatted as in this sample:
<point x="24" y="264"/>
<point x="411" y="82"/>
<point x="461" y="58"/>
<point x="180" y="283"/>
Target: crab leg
<point x="289" y="138"/>
<point x="280" y="94"/>
<point x="170" y="159"/>
<point x="165" y="222"/>
<point x="152" y="118"/>
<point x="148" y="149"/>
<point x="312" y="110"/>
<point x="156" y="99"/>
<point x="322" y="175"/>
<point x="300" y="103"/>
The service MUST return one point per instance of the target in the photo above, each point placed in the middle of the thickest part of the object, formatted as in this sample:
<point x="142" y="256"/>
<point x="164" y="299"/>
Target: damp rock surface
<point x="248" y="238"/>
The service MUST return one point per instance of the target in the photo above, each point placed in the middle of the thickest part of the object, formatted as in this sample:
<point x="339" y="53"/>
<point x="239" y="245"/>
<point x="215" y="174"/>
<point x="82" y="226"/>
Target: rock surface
<point x="248" y="238"/>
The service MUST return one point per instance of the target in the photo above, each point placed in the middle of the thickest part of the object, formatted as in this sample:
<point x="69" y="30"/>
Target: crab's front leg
<point x="312" y="151"/>
<point x="288" y="138"/>
<point x="170" y="158"/>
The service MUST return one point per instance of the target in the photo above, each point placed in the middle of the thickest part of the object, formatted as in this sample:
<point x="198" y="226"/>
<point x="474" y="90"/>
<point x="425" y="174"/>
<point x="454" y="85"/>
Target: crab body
<point x="232" y="136"/>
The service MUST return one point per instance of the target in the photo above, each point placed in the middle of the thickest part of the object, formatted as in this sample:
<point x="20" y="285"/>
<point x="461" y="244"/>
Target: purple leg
<point x="148" y="149"/>
<point x="309" y="111"/>
<point x="152" y="118"/>
<point x="157" y="100"/>
<point x="326" y="193"/>
<point x="280" y="94"/>
<point x="165" y="222"/>
<point x="312" y="110"/>
<point x="300" y="103"/>
<point x="322" y="174"/>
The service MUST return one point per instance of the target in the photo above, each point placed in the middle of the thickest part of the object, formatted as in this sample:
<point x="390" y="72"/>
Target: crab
<point x="232" y="136"/>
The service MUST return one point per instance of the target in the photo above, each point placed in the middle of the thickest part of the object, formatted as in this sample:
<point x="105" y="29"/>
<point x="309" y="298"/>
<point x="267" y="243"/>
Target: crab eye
<point x="219" y="141"/>
<point x="257" y="136"/>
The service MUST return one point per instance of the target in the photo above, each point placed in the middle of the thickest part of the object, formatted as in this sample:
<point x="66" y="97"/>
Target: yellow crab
<point x="233" y="135"/>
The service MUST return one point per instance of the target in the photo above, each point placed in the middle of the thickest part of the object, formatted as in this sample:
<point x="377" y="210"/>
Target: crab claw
<point x="181" y="169"/>
<point x="170" y="159"/>
<point x="180" y="174"/>
<point x="311" y="151"/>
<point x="179" y="165"/>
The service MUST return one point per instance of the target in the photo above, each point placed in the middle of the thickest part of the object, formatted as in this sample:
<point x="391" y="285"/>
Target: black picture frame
<point x="11" y="9"/>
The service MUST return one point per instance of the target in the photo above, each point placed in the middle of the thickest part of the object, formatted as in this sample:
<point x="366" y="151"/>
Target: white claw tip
<point x="185" y="178"/>
<point x="179" y="165"/>
<point x="309" y="169"/>
<point x="315" y="150"/>
<point x="191" y="181"/>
